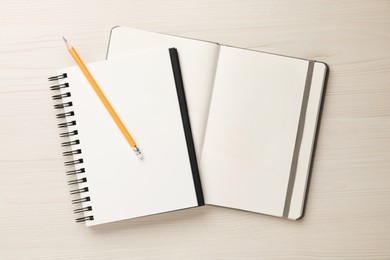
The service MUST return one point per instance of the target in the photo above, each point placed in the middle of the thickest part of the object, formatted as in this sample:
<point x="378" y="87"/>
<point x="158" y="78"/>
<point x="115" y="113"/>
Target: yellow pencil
<point x="102" y="98"/>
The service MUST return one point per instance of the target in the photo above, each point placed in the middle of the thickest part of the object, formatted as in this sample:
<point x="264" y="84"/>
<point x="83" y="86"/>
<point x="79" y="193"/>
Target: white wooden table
<point x="348" y="210"/>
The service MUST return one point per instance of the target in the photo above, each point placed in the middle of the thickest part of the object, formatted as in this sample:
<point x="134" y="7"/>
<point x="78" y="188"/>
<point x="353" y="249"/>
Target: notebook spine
<point x="75" y="164"/>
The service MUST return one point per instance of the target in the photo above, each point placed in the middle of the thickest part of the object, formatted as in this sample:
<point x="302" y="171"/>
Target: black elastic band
<point x="186" y="124"/>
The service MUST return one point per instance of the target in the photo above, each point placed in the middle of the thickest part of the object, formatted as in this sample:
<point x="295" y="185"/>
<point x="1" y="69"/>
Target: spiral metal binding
<point x="70" y="143"/>
<point x="85" y="189"/>
<point x="62" y="76"/>
<point x="61" y="96"/>
<point x="77" y="201"/>
<point x="71" y="123"/>
<point x="66" y="104"/>
<point x="71" y="133"/>
<point x="82" y="170"/>
<point x="59" y="86"/>
<point x="77" y="181"/>
<point x="69" y="153"/>
<point x="63" y="105"/>
<point x="66" y="114"/>
<point x="83" y="219"/>
<point x="89" y="208"/>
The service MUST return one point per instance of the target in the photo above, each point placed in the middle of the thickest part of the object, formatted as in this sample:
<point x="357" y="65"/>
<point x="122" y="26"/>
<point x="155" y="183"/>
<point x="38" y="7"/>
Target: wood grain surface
<point x="348" y="209"/>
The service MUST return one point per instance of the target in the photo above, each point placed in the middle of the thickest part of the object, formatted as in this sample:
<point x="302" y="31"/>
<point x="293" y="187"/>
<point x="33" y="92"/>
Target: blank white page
<point x="198" y="62"/>
<point x="142" y="90"/>
<point x="251" y="130"/>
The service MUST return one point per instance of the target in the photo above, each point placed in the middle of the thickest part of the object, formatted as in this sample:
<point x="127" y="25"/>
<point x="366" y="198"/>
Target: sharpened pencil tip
<point x="66" y="43"/>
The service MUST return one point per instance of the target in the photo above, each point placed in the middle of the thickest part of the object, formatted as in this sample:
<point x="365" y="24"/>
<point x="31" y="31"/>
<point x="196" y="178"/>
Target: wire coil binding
<point x="63" y="95"/>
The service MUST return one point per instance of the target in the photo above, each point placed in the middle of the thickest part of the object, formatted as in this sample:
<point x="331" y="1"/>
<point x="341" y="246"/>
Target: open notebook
<point x="146" y="91"/>
<point x="254" y="118"/>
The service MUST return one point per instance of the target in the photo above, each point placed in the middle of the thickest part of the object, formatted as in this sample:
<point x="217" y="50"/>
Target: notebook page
<point x="141" y="89"/>
<point x="251" y="130"/>
<point x="198" y="61"/>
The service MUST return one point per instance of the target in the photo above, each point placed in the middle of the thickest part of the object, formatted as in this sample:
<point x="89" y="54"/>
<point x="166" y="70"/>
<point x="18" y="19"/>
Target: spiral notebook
<point x="108" y="181"/>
